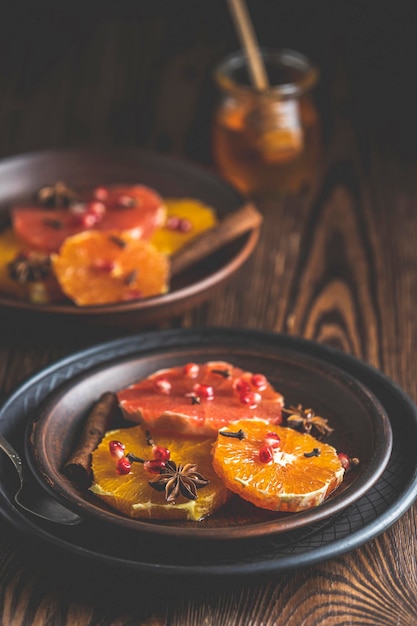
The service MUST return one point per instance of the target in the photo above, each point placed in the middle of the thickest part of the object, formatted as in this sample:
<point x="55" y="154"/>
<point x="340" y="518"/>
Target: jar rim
<point x="287" y="58"/>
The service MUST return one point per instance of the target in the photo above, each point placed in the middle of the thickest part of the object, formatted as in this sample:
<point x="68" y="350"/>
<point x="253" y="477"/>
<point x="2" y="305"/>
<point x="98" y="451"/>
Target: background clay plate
<point x="22" y="176"/>
<point x="361" y="429"/>
<point x="111" y="546"/>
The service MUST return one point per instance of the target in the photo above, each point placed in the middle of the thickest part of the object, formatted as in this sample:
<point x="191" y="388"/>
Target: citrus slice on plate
<point x="131" y="493"/>
<point x="200" y="398"/>
<point x="136" y="208"/>
<point x="185" y="219"/>
<point x="276" y="468"/>
<point x="26" y="274"/>
<point x="98" y="268"/>
<point x="10" y="246"/>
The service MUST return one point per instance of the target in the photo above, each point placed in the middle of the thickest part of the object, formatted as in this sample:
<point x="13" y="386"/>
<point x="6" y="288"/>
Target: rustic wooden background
<point x="337" y="264"/>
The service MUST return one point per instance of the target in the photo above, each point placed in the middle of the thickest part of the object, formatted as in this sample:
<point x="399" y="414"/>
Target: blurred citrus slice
<point x="26" y="274"/>
<point x="10" y="246"/>
<point x="185" y="219"/>
<point x="98" y="268"/>
<point x="132" y="495"/>
<point x="200" y="398"/>
<point x="297" y="474"/>
<point x="135" y="208"/>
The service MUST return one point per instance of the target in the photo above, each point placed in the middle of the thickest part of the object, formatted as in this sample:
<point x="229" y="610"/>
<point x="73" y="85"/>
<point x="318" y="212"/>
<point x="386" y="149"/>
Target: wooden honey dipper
<point x="277" y="141"/>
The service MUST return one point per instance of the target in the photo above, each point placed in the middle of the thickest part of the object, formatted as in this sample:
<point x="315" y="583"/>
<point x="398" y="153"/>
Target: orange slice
<point x="98" y="268"/>
<point x="132" y="495"/>
<point x="10" y="246"/>
<point x="42" y="291"/>
<point x="301" y="474"/>
<point x="185" y="219"/>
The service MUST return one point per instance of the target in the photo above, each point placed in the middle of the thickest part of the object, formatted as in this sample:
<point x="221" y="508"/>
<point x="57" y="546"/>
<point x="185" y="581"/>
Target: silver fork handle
<point x="13" y="456"/>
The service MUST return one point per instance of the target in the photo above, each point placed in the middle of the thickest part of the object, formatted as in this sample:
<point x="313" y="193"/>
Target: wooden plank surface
<point x="337" y="264"/>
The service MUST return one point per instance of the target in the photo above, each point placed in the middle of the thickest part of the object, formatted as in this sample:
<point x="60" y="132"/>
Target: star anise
<point x="29" y="267"/>
<point x="57" y="195"/>
<point x="307" y="420"/>
<point x="181" y="479"/>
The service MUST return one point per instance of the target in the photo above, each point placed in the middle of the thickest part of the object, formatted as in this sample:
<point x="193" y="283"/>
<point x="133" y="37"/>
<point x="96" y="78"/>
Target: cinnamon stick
<point x="229" y="228"/>
<point x="99" y="420"/>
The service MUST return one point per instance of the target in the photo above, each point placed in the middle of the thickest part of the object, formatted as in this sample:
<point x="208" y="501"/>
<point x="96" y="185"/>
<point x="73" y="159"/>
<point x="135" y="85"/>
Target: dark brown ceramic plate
<point x="361" y="426"/>
<point x="22" y="176"/>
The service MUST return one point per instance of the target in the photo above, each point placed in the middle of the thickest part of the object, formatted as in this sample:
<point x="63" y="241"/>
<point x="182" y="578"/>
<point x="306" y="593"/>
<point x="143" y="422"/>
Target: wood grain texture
<point x="337" y="264"/>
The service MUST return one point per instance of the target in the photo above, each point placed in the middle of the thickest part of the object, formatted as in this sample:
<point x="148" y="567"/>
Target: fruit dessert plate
<point x="311" y="395"/>
<point x="129" y="223"/>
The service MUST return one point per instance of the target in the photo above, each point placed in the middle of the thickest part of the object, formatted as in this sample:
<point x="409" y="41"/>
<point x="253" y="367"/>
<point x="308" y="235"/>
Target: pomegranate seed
<point x="126" y="201"/>
<point x="92" y="214"/>
<point x="96" y="208"/>
<point x="241" y="386"/>
<point x="272" y="440"/>
<point x="191" y="370"/>
<point x="123" y="466"/>
<point x="265" y="454"/>
<point x="173" y="222"/>
<point x="117" y="449"/>
<point x="154" y="466"/>
<point x="77" y="209"/>
<point x="204" y="391"/>
<point x="100" y="193"/>
<point x="185" y="226"/>
<point x="88" y="220"/>
<point x="259" y="381"/>
<point x="163" y="386"/>
<point x="104" y="265"/>
<point x="132" y="294"/>
<point x="345" y="460"/>
<point x="250" y="398"/>
<point x="160" y="453"/>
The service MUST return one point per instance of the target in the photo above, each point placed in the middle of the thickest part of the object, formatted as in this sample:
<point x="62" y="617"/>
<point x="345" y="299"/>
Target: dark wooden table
<point x="337" y="264"/>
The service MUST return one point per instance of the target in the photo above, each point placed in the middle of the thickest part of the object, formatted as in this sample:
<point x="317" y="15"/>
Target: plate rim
<point x="333" y="548"/>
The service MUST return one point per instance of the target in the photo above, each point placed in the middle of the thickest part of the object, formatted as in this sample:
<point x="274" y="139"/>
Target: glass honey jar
<point x="267" y="141"/>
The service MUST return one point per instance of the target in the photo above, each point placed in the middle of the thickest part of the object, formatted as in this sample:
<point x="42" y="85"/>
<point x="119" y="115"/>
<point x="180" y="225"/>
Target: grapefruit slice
<point x="131" y="493"/>
<point x="282" y="470"/>
<point x="200" y="398"/>
<point x="136" y="209"/>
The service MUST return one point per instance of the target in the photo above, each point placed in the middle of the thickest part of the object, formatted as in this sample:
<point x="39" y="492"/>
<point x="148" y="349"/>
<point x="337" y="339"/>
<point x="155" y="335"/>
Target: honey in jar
<point x="269" y="141"/>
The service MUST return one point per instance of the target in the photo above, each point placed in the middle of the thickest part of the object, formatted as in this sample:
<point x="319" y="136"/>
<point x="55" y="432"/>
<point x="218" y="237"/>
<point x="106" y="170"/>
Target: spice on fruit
<point x="182" y="479"/>
<point x="225" y="373"/>
<point x="314" y="452"/>
<point x="118" y="241"/>
<point x="57" y="195"/>
<point x="29" y="267"/>
<point x="306" y="419"/>
<point x="234" y="435"/>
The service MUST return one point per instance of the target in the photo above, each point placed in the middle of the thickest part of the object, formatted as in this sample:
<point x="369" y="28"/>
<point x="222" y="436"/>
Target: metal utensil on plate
<point x="34" y="500"/>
